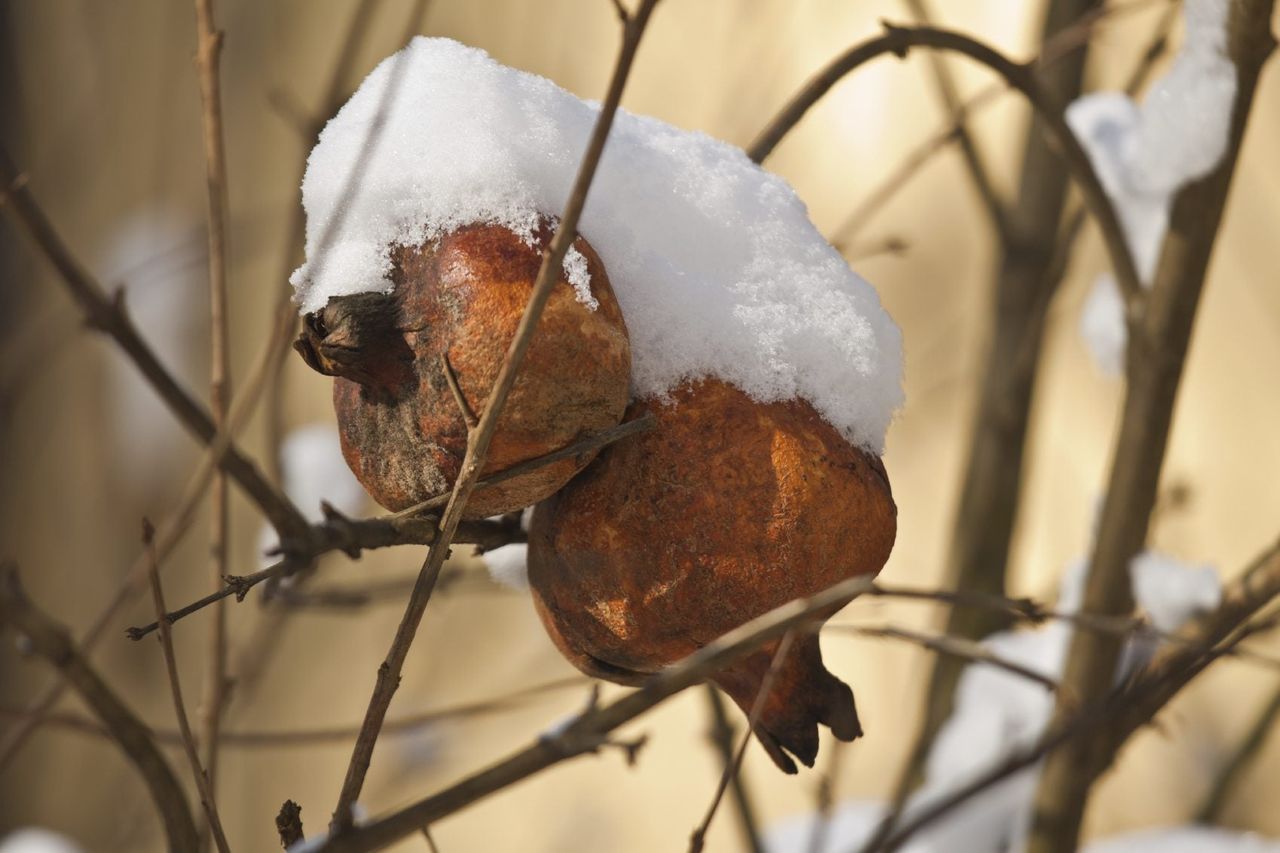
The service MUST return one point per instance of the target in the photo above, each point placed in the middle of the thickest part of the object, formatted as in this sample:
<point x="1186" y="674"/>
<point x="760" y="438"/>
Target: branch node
<point x="898" y="35"/>
<point x="240" y="584"/>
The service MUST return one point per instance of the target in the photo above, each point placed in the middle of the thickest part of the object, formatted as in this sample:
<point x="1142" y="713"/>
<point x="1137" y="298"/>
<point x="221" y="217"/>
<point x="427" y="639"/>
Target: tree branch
<point x="51" y="642"/>
<point x="204" y="784"/>
<point x="898" y="40"/>
<point x="168" y="535"/>
<point x="721" y="736"/>
<point x="1108" y="722"/>
<point x="949" y="94"/>
<point x="108" y="315"/>
<point x="353" y="536"/>
<point x="1241" y="757"/>
<point x="478" y="439"/>
<point x="731" y="768"/>
<point x="208" y="53"/>
<point x="585" y="733"/>
<point x="1158" y="347"/>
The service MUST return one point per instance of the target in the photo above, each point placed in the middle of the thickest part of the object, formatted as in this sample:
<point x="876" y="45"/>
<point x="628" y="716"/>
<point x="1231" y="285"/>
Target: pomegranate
<point x="726" y="509"/>
<point x="457" y="301"/>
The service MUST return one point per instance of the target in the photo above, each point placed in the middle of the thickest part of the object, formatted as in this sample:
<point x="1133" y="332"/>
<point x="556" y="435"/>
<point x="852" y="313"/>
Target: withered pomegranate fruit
<point x="462" y="296"/>
<point x="724" y="510"/>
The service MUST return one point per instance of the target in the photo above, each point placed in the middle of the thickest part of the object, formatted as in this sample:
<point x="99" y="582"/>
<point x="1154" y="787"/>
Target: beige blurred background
<point x="101" y="108"/>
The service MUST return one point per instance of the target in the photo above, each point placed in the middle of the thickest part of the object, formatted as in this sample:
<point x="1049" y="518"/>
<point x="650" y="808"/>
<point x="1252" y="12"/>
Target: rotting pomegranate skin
<point x="463" y="295"/>
<point x="726" y="509"/>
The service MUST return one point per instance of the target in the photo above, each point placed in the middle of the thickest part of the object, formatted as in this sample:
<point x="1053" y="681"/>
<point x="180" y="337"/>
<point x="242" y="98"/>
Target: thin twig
<point x="1030" y="271"/>
<point x="108" y="314"/>
<point x="352" y="536"/>
<point x="949" y="94"/>
<point x="50" y="641"/>
<point x="731" y="769"/>
<point x="464" y="408"/>
<point x="310" y="738"/>
<point x="722" y="737"/>
<point x="1157" y="352"/>
<point x="203" y="783"/>
<point x="478" y="439"/>
<point x="587" y="732"/>
<point x="1241" y="757"/>
<point x="957" y="647"/>
<point x="898" y="40"/>
<point x="208" y="54"/>
<point x="581" y="448"/>
<point x="826" y="797"/>
<point x="167" y="537"/>
<point x="1110" y="721"/>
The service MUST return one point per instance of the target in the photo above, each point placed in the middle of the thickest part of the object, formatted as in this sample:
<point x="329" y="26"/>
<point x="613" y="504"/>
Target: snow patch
<point x="1144" y="154"/>
<point x="717" y="268"/>
<point x="313" y="470"/>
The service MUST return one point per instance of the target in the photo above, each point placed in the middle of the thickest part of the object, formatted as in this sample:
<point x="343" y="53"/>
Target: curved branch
<point x="107" y="313"/>
<point x="50" y="641"/>
<point x="898" y="40"/>
<point x="587" y="732"/>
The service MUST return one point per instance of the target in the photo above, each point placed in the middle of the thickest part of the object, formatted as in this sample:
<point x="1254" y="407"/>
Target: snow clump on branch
<point x="1144" y="154"/>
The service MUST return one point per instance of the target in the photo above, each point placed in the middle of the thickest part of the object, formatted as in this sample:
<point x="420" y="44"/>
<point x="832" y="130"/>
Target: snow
<point x="509" y="565"/>
<point x="32" y="839"/>
<point x="1144" y="154"/>
<point x="1172" y="592"/>
<point x="998" y="713"/>
<point x="1102" y="325"/>
<point x="714" y="261"/>
<point x="158" y="255"/>
<point x="313" y="470"/>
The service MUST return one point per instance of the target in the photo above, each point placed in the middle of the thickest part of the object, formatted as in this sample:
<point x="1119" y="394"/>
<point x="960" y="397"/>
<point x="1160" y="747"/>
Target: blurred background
<point x="101" y="109"/>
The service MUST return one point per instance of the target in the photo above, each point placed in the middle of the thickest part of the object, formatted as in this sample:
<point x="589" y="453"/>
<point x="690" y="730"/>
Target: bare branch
<point x="586" y="732"/>
<point x="1157" y="352"/>
<point x="898" y="40"/>
<point x="581" y="448"/>
<point x="1108" y="722"/>
<point x="722" y="736"/>
<point x="168" y="535"/>
<point x="1241" y="757"/>
<point x="949" y="94"/>
<point x="208" y="54"/>
<point x="203" y="783"/>
<point x="107" y="314"/>
<point x="478" y="439"/>
<point x="51" y="642"/>
<point x="295" y="738"/>
<point x="353" y="536"/>
<point x="451" y="378"/>
<point x="957" y="647"/>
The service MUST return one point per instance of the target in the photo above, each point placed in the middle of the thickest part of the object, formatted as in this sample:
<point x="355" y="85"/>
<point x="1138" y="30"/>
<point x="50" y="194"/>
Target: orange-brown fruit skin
<point x="726" y="509"/>
<point x="402" y="432"/>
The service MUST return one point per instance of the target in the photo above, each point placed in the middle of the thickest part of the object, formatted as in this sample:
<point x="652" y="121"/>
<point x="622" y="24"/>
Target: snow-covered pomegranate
<point x="462" y="296"/>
